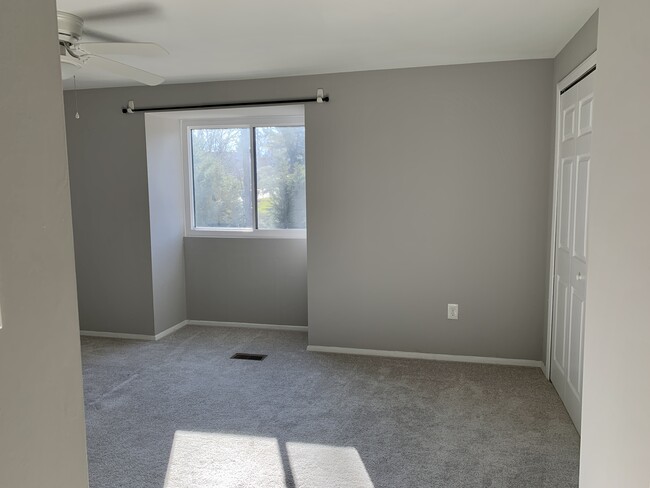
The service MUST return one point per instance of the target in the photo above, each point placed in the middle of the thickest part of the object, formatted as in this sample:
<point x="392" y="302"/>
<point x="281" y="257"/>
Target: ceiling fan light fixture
<point x="70" y="27"/>
<point x="74" y="54"/>
<point x="69" y="66"/>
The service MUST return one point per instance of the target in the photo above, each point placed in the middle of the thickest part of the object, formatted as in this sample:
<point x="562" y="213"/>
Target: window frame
<point x="244" y="122"/>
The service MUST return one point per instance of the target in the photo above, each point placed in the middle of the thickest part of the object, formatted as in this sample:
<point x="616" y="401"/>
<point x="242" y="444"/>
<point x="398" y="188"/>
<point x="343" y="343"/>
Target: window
<point x="247" y="178"/>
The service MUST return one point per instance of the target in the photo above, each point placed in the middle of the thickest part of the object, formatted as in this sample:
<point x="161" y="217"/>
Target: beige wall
<point x="615" y="448"/>
<point x="42" y="432"/>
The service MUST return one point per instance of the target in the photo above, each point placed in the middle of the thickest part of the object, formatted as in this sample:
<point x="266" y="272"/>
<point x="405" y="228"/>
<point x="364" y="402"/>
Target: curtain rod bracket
<point x="319" y="96"/>
<point x="130" y="106"/>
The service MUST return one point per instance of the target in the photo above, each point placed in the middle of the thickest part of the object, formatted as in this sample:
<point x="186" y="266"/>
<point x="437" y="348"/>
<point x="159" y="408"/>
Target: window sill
<point x="249" y="234"/>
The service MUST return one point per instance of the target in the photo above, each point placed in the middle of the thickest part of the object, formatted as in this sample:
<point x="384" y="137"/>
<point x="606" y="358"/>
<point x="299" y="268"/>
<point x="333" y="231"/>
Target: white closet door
<point x="576" y="107"/>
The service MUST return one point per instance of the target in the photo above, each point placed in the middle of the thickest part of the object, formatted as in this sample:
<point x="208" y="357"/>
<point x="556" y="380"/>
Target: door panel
<point x="582" y="197"/>
<point x="568" y="123"/>
<point x="575" y="352"/>
<point x="586" y="113"/>
<point x="559" y="349"/>
<point x="571" y="251"/>
<point x="564" y="215"/>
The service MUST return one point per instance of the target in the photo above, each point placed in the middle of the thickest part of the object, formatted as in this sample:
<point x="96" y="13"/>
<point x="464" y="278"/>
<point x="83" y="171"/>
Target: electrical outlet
<point x="452" y="311"/>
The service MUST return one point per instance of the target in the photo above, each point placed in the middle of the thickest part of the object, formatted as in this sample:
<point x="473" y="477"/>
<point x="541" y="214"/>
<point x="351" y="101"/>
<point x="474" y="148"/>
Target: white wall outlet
<point x="452" y="311"/>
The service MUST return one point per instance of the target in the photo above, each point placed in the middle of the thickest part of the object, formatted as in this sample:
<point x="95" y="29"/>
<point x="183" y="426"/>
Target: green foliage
<point x="221" y="174"/>
<point x="222" y="177"/>
<point x="281" y="177"/>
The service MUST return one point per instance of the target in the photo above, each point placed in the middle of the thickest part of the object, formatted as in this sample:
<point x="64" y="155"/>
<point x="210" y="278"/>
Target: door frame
<point x="575" y="75"/>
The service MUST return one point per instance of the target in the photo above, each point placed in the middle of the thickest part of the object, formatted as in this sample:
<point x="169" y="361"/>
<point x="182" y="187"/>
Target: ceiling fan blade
<point x="149" y="49"/>
<point x="123" y="70"/>
<point x="137" y="9"/>
<point x="102" y="36"/>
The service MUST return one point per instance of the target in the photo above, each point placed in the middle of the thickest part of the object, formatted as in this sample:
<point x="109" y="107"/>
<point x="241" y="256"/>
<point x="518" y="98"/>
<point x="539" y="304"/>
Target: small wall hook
<point x="130" y="106"/>
<point x="319" y="96"/>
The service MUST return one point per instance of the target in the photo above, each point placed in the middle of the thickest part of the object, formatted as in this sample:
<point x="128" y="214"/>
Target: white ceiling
<point x="220" y="40"/>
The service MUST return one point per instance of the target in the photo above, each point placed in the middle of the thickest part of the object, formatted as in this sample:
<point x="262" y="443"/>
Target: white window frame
<point x="245" y="122"/>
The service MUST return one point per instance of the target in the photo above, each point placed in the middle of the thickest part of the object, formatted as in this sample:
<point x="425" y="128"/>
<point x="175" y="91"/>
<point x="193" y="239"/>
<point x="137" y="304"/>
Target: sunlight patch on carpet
<point x="200" y="459"/>
<point x="318" y="466"/>
<point x="208" y="459"/>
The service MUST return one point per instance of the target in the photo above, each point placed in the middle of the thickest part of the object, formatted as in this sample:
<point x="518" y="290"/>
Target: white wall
<point x="616" y="402"/>
<point x="167" y="217"/>
<point x="42" y="431"/>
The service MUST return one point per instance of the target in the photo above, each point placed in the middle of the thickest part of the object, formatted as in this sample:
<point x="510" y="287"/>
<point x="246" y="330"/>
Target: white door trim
<point x="585" y="66"/>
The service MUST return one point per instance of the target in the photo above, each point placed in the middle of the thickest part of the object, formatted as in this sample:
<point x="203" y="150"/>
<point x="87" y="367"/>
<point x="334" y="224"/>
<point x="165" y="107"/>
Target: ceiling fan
<point x="75" y="55"/>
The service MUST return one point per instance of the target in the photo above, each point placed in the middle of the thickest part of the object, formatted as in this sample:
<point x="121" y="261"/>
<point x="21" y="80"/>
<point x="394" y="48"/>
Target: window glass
<point x="280" y="155"/>
<point x="221" y="169"/>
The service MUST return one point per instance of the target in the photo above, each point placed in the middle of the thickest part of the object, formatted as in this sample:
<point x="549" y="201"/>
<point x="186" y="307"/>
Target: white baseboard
<point x="137" y="337"/>
<point x="244" y="325"/>
<point x="431" y="357"/>
<point x="180" y="325"/>
<point x="171" y="330"/>
<point x="117" y="335"/>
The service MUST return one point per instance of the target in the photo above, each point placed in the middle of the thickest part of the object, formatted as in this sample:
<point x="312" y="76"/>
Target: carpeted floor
<point x="179" y="413"/>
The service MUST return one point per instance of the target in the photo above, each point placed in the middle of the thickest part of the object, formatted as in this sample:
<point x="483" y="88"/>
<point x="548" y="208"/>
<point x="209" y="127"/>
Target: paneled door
<point x="576" y="115"/>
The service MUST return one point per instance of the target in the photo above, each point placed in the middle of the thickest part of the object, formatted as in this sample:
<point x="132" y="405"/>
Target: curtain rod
<point x="320" y="98"/>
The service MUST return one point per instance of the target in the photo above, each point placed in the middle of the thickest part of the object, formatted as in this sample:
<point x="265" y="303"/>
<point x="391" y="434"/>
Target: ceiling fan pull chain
<point x="76" y="105"/>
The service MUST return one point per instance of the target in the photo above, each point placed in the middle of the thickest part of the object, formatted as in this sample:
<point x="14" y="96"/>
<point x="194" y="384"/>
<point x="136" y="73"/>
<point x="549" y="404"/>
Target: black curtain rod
<point x="131" y="109"/>
<point x="589" y="71"/>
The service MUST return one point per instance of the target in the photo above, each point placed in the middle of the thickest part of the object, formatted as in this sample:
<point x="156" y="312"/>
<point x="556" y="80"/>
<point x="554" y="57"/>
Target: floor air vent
<point x="250" y="357"/>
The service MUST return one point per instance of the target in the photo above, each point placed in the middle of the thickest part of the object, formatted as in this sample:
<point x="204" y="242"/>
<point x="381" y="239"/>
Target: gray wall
<point x="428" y="187"/>
<point x="110" y="209"/>
<point x="616" y="399"/>
<point x="167" y="215"/>
<point x="113" y="239"/>
<point x="247" y="280"/>
<point x="579" y="48"/>
<point x="42" y="431"/>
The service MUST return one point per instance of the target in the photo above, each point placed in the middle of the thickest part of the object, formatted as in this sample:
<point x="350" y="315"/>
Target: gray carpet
<point x="179" y="413"/>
